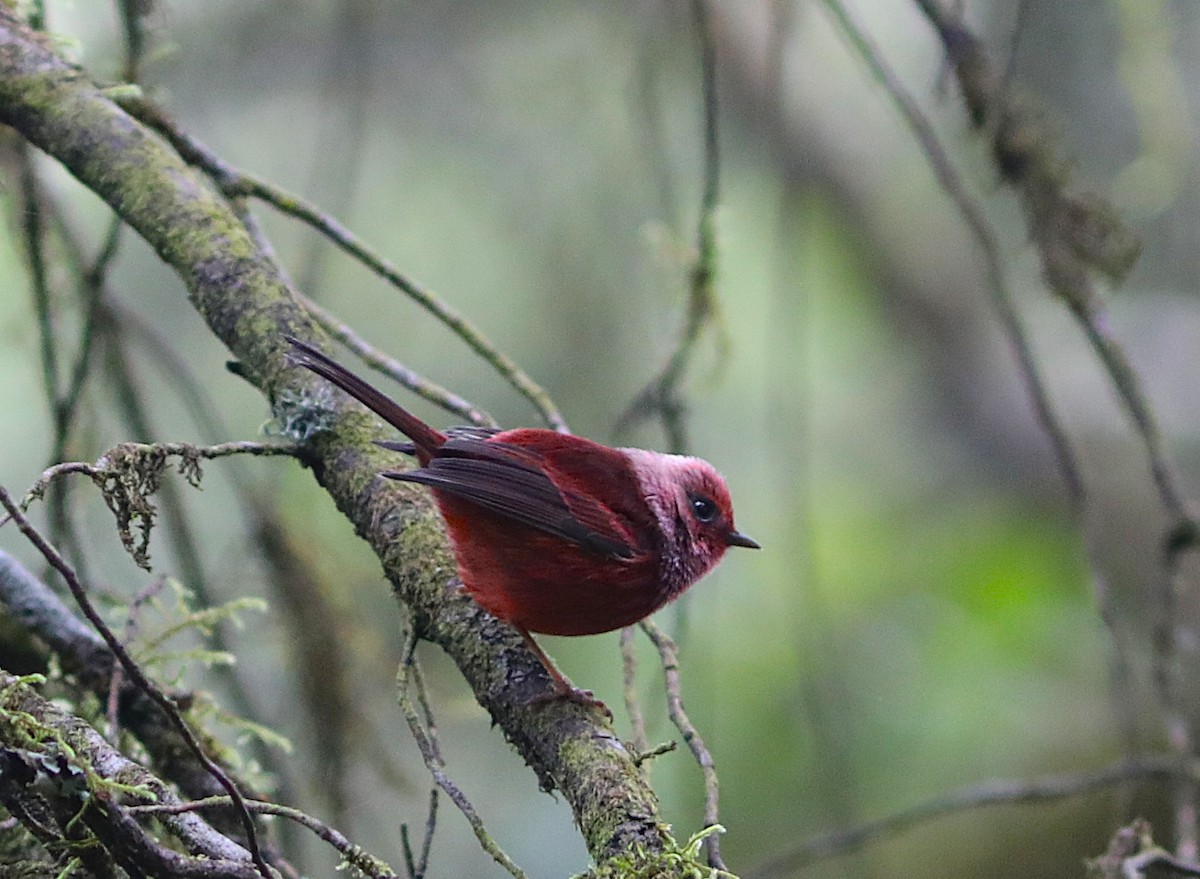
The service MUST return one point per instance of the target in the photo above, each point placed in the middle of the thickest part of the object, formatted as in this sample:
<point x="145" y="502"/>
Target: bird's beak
<point x="734" y="538"/>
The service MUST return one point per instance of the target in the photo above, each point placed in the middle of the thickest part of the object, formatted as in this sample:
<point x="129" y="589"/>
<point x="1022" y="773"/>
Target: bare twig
<point x="131" y="406"/>
<point x="42" y="211"/>
<point x="91" y="295"/>
<point x="1001" y="297"/>
<point x="1020" y="25"/>
<point x="238" y="184"/>
<point x="354" y="855"/>
<point x="132" y="25"/>
<point x="670" y="664"/>
<point x="135" y="674"/>
<point x="662" y="396"/>
<point x="90" y="292"/>
<point x="128" y="325"/>
<point x="422" y="862"/>
<point x="426" y="738"/>
<point x="504" y="365"/>
<point x="1078" y="235"/>
<point x="633" y="708"/>
<point x="340" y="137"/>
<point x="34" y="239"/>
<point x="642" y="757"/>
<point x="84" y="655"/>
<point x="1002" y="302"/>
<point x="417" y="865"/>
<point x="392" y="368"/>
<point x="1037" y="790"/>
<point x="115" y="685"/>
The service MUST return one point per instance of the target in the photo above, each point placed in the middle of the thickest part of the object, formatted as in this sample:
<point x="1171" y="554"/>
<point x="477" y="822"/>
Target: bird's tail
<point x="425" y="438"/>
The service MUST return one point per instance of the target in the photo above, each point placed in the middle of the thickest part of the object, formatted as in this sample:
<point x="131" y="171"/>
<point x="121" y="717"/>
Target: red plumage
<point x="555" y="533"/>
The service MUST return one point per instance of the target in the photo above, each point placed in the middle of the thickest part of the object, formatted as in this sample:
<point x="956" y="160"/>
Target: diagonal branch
<point x="1079" y="236"/>
<point x="245" y="300"/>
<point x="74" y="759"/>
<point x="977" y="796"/>
<point x="135" y="673"/>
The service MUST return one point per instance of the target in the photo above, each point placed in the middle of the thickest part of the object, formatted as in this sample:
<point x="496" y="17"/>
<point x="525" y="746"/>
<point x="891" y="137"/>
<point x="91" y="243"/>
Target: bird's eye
<point x="703" y="508"/>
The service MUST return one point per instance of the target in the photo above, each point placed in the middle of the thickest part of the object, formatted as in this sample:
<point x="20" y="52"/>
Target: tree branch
<point x="244" y="297"/>
<point x="63" y="767"/>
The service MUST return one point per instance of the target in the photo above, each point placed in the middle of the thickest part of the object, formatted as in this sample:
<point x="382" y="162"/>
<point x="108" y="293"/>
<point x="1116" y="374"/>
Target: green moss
<point x="675" y="861"/>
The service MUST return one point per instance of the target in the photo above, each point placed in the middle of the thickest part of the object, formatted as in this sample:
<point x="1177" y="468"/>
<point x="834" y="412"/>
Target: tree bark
<point x="245" y="299"/>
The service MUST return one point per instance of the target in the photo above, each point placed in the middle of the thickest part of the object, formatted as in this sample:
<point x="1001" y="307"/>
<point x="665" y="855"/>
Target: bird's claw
<point x="568" y="693"/>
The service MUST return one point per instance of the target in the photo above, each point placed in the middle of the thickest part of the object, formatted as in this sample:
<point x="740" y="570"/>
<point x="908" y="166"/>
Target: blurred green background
<point x="923" y="616"/>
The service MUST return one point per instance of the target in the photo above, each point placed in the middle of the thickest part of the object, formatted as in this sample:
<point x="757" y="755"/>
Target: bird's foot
<point x="565" y="691"/>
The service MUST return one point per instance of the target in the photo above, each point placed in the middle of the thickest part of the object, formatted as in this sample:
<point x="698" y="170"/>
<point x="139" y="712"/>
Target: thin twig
<point x="34" y="205"/>
<point x="633" y="708"/>
<point x="1019" y="28"/>
<point x="712" y="152"/>
<point x="132" y="12"/>
<point x="92" y="274"/>
<point x="426" y="740"/>
<point x="1001" y="297"/>
<point x="128" y="324"/>
<point x="662" y="396"/>
<point x="117" y="681"/>
<point x="52" y="556"/>
<point x="642" y="757"/>
<point x="1075" y="234"/>
<point x="1003" y="304"/>
<point x="238" y="184"/>
<point x="418" y="867"/>
<point x="392" y="368"/>
<point x="122" y="327"/>
<point x="650" y="129"/>
<point x="339" y="135"/>
<point x="82" y="653"/>
<point x="1078" y="235"/>
<point x="354" y="855"/>
<point x="474" y="338"/>
<point x="91" y="293"/>
<point x="992" y="793"/>
<point x="34" y="237"/>
<point x="670" y="664"/>
<point x="131" y="406"/>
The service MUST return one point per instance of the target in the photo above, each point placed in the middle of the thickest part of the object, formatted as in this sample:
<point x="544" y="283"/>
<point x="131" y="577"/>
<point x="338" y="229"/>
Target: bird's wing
<point x="510" y="480"/>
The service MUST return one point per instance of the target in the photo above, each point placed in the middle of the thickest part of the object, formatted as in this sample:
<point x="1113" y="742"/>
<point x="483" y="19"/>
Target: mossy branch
<point x="246" y="301"/>
<point x="55" y="765"/>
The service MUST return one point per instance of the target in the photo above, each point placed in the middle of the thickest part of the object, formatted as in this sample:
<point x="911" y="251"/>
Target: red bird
<point x="554" y="533"/>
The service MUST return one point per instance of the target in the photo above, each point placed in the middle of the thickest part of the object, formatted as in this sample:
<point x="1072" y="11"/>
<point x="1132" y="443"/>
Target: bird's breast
<point x="545" y="584"/>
